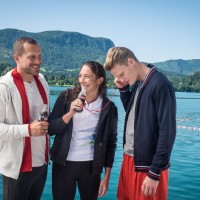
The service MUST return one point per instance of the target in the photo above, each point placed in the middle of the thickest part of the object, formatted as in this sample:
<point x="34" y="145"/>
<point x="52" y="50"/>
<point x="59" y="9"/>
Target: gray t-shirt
<point x="129" y="145"/>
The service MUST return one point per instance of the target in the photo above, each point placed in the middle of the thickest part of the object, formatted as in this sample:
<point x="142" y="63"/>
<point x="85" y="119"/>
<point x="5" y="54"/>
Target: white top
<point x="84" y="132"/>
<point x="38" y="144"/>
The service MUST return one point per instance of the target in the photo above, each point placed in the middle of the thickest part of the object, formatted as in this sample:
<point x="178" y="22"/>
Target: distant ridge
<point x="60" y="49"/>
<point x="180" y="66"/>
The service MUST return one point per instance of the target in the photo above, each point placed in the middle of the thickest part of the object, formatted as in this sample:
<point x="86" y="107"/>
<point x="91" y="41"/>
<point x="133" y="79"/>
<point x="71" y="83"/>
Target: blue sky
<point x="154" y="30"/>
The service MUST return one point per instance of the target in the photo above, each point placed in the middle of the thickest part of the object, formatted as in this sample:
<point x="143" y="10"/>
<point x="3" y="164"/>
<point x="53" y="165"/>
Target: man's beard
<point x="32" y="70"/>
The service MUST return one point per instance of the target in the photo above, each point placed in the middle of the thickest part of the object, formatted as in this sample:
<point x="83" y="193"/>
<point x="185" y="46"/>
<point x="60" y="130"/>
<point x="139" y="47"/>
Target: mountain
<point x="60" y="49"/>
<point x="180" y="66"/>
<point x="68" y="50"/>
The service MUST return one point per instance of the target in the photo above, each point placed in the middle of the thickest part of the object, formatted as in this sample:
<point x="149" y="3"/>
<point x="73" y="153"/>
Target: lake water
<point x="184" y="173"/>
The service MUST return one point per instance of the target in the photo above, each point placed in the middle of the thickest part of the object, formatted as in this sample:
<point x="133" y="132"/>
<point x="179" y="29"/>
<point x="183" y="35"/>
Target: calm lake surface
<point x="184" y="173"/>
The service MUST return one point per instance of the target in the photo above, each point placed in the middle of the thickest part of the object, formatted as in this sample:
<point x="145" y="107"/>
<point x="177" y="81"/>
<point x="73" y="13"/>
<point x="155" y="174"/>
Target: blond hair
<point x="118" y="55"/>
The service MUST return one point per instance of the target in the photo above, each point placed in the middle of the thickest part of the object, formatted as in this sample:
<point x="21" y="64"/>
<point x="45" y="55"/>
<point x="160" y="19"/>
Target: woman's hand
<point x="103" y="188"/>
<point x="76" y="104"/>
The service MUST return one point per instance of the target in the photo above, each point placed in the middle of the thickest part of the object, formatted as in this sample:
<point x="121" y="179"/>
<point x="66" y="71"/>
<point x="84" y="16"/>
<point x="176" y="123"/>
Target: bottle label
<point x="43" y="116"/>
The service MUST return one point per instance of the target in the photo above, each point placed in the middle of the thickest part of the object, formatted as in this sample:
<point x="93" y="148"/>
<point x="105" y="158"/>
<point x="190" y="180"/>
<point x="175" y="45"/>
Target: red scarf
<point x="27" y="158"/>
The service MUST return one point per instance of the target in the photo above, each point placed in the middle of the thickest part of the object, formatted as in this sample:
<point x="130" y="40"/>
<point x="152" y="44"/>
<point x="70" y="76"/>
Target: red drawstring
<point x="95" y="111"/>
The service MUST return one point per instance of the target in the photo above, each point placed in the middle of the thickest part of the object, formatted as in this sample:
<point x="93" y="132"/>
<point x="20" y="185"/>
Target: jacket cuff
<point x="153" y="175"/>
<point x="108" y="164"/>
<point x="29" y="130"/>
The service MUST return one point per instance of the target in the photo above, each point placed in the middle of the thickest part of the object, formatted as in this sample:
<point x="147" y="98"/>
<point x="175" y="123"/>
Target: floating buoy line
<point x="187" y="127"/>
<point x="186" y="119"/>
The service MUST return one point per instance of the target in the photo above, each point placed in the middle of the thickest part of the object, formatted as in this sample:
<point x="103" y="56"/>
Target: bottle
<point x="82" y="97"/>
<point x="44" y="114"/>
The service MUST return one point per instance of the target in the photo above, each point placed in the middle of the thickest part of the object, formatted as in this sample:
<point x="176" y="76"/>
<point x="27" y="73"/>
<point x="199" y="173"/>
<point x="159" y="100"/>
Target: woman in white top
<point x="85" y="137"/>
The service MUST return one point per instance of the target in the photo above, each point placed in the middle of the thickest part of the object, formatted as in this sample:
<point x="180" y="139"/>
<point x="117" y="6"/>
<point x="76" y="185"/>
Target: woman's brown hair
<point x="99" y="71"/>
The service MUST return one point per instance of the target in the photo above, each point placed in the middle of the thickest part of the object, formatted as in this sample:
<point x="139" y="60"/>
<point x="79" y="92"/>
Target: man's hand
<point x="38" y="128"/>
<point x="149" y="186"/>
<point x="119" y="83"/>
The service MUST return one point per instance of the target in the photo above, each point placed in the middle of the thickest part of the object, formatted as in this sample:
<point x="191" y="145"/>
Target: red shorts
<point x="130" y="182"/>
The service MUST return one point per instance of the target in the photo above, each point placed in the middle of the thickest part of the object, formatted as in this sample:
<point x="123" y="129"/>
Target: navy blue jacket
<point x="155" y="122"/>
<point x="105" y="143"/>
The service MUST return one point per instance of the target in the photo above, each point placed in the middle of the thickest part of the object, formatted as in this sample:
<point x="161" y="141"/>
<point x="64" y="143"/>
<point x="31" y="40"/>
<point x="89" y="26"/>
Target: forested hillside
<point x="180" y="66"/>
<point x="64" y="52"/>
<point x="60" y="49"/>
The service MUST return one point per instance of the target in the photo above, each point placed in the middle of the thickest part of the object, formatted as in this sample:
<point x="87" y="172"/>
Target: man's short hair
<point x="118" y="55"/>
<point x="19" y="44"/>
